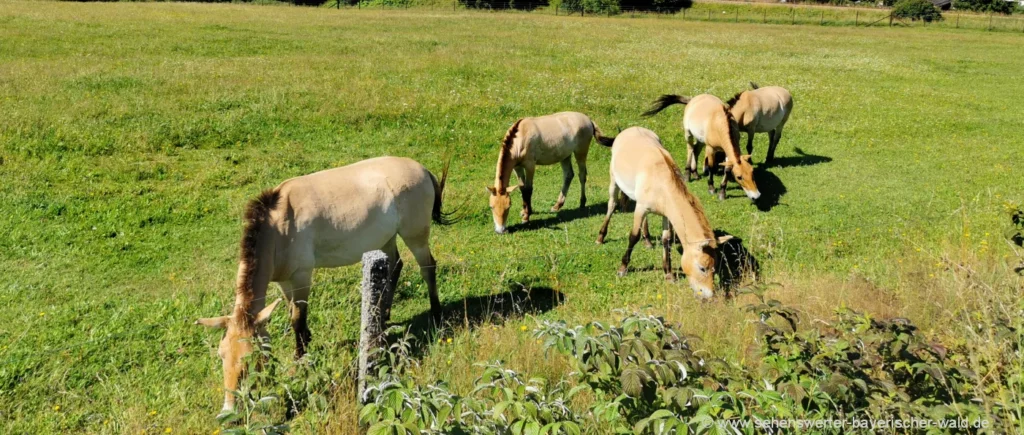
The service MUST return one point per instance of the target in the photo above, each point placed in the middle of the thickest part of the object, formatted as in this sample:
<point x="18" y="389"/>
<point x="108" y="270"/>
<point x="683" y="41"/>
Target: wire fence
<point x="750" y="13"/>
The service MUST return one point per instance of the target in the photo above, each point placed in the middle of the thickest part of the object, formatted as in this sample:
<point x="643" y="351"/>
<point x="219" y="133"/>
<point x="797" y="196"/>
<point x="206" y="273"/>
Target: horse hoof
<point x="648" y="244"/>
<point x="721" y="195"/>
<point x="622" y="272"/>
<point x="670" y="277"/>
<point x="556" y="208"/>
<point x="599" y="241"/>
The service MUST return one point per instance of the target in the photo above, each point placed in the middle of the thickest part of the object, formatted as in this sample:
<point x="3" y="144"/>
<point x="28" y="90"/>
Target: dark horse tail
<point x="664" y="101"/>
<point x="754" y="85"/>
<point x="437" y="215"/>
<point x="601" y="138"/>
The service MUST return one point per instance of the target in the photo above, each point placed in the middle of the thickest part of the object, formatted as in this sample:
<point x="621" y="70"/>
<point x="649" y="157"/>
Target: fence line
<point x="755" y="13"/>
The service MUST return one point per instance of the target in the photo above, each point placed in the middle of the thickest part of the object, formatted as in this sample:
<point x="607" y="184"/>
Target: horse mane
<point x="733" y="100"/>
<point x="257" y="213"/>
<point x="506" y="148"/>
<point x="734" y="129"/>
<point x="695" y="205"/>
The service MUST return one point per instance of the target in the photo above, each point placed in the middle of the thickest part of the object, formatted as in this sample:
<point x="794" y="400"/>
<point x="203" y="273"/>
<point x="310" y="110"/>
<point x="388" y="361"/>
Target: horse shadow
<point x="771" y="187"/>
<point x="561" y="217"/>
<point x="801" y="159"/>
<point x="518" y="300"/>
<point x="734" y="262"/>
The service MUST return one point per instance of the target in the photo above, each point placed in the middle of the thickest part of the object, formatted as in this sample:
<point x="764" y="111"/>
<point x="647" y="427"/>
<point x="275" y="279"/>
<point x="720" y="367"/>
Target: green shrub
<point x="917" y="10"/>
<point x="642" y="375"/>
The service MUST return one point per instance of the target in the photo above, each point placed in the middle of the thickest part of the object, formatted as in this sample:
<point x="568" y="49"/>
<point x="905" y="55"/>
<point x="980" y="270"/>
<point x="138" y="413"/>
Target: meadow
<point x="132" y="135"/>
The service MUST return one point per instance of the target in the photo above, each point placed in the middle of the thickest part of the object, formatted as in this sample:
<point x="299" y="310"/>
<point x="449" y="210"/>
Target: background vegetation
<point x="133" y="135"/>
<point x="917" y="10"/>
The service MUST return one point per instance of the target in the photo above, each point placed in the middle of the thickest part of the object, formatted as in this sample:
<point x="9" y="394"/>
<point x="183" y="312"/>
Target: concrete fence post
<point x="376" y="312"/>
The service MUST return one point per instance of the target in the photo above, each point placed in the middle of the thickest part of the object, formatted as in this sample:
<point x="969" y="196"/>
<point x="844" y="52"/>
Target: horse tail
<point x="601" y="138"/>
<point x="437" y="215"/>
<point x="754" y="85"/>
<point x="664" y="101"/>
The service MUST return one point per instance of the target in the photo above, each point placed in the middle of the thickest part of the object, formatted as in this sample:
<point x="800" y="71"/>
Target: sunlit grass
<point x="132" y="135"/>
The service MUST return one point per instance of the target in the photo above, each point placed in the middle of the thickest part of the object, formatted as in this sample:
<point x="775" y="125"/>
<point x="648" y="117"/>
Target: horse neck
<point x="691" y="225"/>
<point x="252" y="282"/>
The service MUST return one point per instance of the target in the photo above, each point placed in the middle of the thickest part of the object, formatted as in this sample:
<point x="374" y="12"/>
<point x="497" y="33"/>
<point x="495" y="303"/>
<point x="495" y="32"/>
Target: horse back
<point x="331" y="217"/>
<point x="550" y="139"/>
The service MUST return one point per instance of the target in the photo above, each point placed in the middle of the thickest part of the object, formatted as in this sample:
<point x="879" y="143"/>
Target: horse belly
<point x="549" y="155"/>
<point x="552" y="147"/>
<point x="769" y="122"/>
<point x="342" y="246"/>
<point x="697" y="131"/>
<point x="627" y="186"/>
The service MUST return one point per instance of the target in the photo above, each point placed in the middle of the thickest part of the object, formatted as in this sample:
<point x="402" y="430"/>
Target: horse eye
<point x="702" y="269"/>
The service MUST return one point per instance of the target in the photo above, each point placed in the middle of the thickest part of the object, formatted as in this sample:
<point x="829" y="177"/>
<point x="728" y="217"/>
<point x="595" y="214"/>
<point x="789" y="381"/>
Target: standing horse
<point x="706" y="121"/>
<point x="326" y="219"/>
<point x="644" y="171"/>
<point x="543" y="140"/>
<point x="762" y="110"/>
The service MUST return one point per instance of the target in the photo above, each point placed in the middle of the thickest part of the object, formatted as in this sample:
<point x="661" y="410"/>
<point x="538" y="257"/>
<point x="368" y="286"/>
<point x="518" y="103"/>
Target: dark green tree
<point x="916" y="10"/>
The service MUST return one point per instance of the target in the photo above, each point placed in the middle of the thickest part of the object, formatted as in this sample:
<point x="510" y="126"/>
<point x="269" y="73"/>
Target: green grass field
<point x="132" y="135"/>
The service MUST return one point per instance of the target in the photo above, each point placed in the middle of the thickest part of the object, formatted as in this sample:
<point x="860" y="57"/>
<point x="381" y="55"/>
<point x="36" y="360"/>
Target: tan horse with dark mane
<point x="321" y="220"/>
<point x="762" y="110"/>
<point x="644" y="171"/>
<point x="706" y="121"/>
<point x="543" y="140"/>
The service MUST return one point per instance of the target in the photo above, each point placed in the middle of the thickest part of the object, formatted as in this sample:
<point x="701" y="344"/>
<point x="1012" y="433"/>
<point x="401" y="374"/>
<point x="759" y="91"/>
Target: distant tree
<point x="996" y="6"/>
<point x="916" y="10"/>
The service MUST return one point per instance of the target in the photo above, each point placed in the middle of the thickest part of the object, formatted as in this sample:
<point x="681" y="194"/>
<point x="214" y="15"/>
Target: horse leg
<point x="420" y="247"/>
<point x="296" y="291"/>
<point x="634" y="236"/>
<point x="725" y="181"/>
<point x="691" y="158"/>
<point x="566" y="182"/>
<point x="750" y="142"/>
<point x="773" y="141"/>
<point x="666" y="243"/>
<point x="581" y="161"/>
<point x="613" y="195"/>
<point x="646" y="235"/>
<point x="395" y="264"/>
<point x="709" y="161"/>
<point x="527" y="190"/>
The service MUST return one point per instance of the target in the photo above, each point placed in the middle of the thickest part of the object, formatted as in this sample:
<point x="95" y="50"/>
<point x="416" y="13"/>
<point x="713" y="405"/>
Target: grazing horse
<point x="762" y="110"/>
<point x="644" y="171"/>
<point x="706" y="121"/>
<point x="543" y="140"/>
<point x="326" y="219"/>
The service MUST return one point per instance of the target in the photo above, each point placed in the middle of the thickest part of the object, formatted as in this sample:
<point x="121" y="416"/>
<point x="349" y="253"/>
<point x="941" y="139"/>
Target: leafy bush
<point x="995" y="6"/>
<point x="644" y="376"/>
<point x="917" y="10"/>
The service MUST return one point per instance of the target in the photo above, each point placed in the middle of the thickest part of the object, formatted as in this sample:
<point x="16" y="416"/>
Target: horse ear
<point x="492" y="190"/>
<point x="214" y="322"/>
<point x="512" y="189"/>
<point x="724" y="239"/>
<point x="745" y="158"/>
<point x="264" y="314"/>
